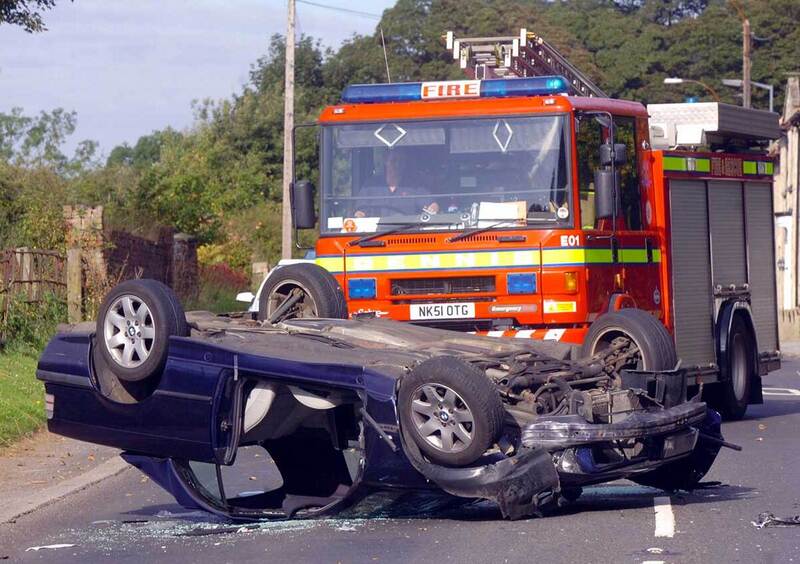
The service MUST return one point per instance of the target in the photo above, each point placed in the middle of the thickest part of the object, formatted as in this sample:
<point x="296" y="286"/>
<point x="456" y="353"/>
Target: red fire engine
<point x="525" y="203"/>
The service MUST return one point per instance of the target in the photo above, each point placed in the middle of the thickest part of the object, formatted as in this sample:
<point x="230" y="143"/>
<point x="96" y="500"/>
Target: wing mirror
<point x="303" y="215"/>
<point x="606" y="186"/>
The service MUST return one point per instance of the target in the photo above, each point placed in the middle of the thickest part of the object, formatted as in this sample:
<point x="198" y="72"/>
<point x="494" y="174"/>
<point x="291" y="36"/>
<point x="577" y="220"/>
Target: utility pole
<point x="747" y="43"/>
<point x="288" y="126"/>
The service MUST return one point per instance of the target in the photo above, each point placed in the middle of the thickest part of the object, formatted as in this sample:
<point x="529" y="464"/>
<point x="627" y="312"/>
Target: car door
<point x="192" y="410"/>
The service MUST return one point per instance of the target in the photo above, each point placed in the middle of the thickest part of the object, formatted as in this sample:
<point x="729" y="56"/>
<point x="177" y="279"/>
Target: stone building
<point x="787" y="208"/>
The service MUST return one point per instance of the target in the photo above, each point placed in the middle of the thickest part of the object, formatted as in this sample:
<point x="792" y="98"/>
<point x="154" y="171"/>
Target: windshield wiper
<point x="475" y="231"/>
<point x="405" y="227"/>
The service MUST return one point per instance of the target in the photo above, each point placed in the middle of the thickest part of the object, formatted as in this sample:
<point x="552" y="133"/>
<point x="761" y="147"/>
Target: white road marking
<point x="665" y="519"/>
<point x="780" y="392"/>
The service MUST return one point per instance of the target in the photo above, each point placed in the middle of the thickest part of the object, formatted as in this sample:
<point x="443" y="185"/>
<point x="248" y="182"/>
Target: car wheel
<point x="134" y="325"/>
<point x="300" y="291"/>
<point x="648" y="334"/>
<point x="450" y="410"/>
<point x="730" y="396"/>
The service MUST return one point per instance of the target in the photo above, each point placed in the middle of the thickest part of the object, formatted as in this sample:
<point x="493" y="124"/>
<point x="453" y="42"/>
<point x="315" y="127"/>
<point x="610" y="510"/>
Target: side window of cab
<point x="625" y="132"/>
<point x="591" y="131"/>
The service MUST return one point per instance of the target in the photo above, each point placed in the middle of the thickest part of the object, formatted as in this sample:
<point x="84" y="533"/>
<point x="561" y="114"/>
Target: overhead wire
<point x="340" y="9"/>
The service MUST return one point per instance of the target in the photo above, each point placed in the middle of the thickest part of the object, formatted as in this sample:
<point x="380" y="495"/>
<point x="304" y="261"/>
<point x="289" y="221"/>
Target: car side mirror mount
<point x="303" y="214"/>
<point x="616" y="154"/>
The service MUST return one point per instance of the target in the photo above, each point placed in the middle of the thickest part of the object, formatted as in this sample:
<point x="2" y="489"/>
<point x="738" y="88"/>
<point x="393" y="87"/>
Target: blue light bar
<point x="521" y="283"/>
<point x="452" y="89"/>
<point x="361" y="288"/>
<point x="399" y="92"/>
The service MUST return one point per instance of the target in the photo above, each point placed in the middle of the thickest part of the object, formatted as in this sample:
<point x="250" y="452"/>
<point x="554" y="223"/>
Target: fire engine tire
<point x="315" y="291"/>
<point x="450" y="410"/>
<point x="647" y="332"/>
<point x="730" y="397"/>
<point x="135" y="322"/>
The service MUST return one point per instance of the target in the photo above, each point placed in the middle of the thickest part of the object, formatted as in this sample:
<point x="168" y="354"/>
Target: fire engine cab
<point x="524" y="203"/>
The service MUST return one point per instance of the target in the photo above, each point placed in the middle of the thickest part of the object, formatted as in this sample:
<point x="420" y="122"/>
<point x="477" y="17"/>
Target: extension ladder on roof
<point x="525" y="55"/>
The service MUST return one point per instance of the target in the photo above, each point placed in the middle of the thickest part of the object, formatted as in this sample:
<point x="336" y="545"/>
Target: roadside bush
<point x="219" y="284"/>
<point x="28" y="326"/>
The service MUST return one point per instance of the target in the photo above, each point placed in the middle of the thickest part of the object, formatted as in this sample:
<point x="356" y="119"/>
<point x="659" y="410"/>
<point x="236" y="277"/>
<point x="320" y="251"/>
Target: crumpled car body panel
<point x="194" y="413"/>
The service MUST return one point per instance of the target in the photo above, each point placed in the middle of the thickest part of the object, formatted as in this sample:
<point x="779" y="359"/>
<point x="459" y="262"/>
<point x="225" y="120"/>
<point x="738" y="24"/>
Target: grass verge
<point x="21" y="397"/>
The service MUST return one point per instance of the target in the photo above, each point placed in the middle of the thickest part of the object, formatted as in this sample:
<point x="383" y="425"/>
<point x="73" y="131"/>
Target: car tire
<point x="321" y="294"/>
<point x="730" y="397"/>
<point x="451" y="411"/>
<point x="134" y="324"/>
<point x="647" y="332"/>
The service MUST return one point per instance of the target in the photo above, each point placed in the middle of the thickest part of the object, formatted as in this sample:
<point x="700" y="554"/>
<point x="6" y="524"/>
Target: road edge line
<point x="106" y="470"/>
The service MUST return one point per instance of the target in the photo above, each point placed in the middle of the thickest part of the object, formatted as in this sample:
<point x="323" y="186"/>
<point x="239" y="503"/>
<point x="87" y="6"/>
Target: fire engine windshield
<point x="454" y="174"/>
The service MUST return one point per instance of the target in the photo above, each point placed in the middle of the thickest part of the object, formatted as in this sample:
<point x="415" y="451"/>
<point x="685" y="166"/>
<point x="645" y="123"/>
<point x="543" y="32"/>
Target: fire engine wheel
<point x="299" y="291"/>
<point x="731" y="396"/>
<point x="134" y="325"/>
<point x="646" y="333"/>
<point x="450" y="410"/>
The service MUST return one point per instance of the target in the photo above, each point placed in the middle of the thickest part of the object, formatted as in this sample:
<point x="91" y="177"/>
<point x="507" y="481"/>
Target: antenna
<point x="385" y="58"/>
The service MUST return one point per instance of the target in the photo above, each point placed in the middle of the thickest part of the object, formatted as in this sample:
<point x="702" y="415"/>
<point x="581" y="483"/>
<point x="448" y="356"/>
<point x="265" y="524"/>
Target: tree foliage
<point x="25" y="13"/>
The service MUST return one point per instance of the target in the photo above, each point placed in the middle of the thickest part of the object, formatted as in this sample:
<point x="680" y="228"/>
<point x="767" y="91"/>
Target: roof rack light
<point x="493" y="88"/>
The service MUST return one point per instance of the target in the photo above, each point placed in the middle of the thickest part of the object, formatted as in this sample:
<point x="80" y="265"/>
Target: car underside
<point x="344" y="407"/>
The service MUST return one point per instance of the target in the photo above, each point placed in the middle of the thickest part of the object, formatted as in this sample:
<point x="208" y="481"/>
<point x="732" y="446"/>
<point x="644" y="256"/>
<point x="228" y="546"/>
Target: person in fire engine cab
<point x="395" y="194"/>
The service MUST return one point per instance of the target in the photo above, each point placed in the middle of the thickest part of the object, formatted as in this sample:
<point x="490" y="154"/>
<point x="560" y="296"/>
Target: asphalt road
<point x="129" y="519"/>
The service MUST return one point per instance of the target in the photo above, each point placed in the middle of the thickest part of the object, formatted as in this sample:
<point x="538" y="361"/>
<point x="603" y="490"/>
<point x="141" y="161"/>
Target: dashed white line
<point x="768" y="391"/>
<point x="665" y="519"/>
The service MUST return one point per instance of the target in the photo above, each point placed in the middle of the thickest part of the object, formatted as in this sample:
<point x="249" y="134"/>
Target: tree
<point x="25" y="13"/>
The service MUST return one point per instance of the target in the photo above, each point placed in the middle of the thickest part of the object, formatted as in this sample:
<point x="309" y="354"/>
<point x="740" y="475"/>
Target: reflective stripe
<point x="554" y="334"/>
<point x="762" y="168"/>
<point x="430" y="261"/>
<point x="481" y="259"/>
<point x="687" y="164"/>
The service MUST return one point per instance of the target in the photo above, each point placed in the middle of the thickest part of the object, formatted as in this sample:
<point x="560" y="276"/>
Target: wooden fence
<point x="32" y="273"/>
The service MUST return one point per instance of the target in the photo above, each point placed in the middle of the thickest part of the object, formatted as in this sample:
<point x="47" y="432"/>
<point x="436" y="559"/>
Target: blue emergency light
<point x="492" y="88"/>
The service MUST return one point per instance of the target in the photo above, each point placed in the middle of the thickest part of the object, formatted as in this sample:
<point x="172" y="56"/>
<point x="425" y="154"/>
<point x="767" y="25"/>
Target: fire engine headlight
<point x="521" y="283"/>
<point x="361" y="288"/>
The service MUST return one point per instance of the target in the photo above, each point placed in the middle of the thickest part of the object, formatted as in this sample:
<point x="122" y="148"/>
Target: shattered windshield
<point x="451" y="174"/>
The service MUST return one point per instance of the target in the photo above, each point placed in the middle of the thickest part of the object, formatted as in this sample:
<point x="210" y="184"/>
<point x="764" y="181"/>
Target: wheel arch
<point x="283" y="262"/>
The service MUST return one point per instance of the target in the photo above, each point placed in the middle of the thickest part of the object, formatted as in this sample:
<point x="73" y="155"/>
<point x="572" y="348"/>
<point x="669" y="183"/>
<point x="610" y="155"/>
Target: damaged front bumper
<point x="585" y="453"/>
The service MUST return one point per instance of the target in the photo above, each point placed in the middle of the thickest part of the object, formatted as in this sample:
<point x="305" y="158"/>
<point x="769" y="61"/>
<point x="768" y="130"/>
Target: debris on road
<point x="767" y="519"/>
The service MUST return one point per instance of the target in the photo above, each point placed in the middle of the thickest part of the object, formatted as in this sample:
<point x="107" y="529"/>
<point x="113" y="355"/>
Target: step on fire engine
<point x="525" y="203"/>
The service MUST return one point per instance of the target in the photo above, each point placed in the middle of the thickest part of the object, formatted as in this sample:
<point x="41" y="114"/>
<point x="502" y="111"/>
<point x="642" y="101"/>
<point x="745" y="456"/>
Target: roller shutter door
<point x="691" y="272"/>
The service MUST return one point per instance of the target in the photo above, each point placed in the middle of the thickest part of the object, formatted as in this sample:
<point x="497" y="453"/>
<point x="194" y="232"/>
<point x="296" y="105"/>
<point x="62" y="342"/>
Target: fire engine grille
<point x="424" y="286"/>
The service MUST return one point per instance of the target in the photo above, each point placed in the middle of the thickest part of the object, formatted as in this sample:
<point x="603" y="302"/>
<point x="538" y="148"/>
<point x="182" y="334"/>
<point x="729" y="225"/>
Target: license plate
<point x="443" y="311"/>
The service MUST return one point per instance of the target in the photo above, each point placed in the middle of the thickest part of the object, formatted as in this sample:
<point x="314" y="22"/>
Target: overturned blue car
<point x="342" y="408"/>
